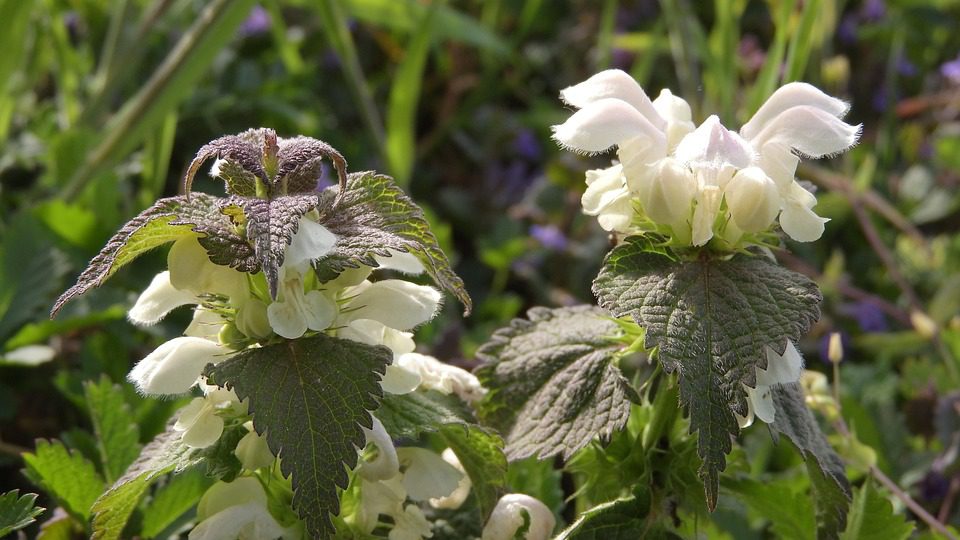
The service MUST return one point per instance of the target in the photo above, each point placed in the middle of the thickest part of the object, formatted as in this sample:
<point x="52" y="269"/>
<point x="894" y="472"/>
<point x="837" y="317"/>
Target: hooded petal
<point x="456" y="499"/>
<point x="191" y="270"/>
<point x="311" y="241"/>
<point x="800" y="222"/>
<point x="395" y="303"/>
<point x="810" y="131"/>
<point x="780" y="164"/>
<point x="160" y="298"/>
<point x="386" y="464"/>
<point x="426" y="475"/>
<point x="406" y="263"/>
<point x="175" y="366"/>
<point x="613" y="83"/>
<point x="507" y="518"/>
<point x="711" y="144"/>
<point x="676" y="111"/>
<point x="753" y="199"/>
<point x="603" y="124"/>
<point x="792" y="95"/>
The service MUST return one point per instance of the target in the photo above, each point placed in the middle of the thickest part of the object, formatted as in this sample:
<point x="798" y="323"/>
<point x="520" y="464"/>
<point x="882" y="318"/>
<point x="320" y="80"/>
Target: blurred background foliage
<point x="104" y="103"/>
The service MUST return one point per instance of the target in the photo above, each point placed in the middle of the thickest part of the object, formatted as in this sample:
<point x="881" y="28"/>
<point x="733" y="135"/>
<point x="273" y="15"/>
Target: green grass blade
<point x="769" y="73"/>
<point x="801" y="44"/>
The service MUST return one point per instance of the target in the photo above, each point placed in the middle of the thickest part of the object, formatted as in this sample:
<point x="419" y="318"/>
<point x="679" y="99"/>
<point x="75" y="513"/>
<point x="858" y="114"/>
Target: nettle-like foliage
<point x="692" y="285"/>
<point x="300" y="354"/>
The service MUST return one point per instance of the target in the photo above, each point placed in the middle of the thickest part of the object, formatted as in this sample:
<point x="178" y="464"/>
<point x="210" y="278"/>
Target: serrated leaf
<point x="167" y="220"/>
<point x="622" y="519"/>
<point x="271" y="225"/>
<point x="17" y="512"/>
<point x="553" y="386"/>
<point x="710" y="321"/>
<point x="174" y="499"/>
<point x="309" y="398"/>
<point x="67" y="476"/>
<point x="831" y="490"/>
<point x="166" y="453"/>
<point x="872" y="517"/>
<point x="481" y="454"/>
<point x="407" y="416"/>
<point x="373" y="216"/>
<point x="769" y="499"/>
<point x="113" y="423"/>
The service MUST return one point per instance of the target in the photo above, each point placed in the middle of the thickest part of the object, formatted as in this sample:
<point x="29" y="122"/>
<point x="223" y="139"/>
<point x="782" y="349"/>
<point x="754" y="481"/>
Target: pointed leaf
<point x="831" y="490"/>
<point x="114" y="425"/>
<point x="872" y="517"/>
<point x="372" y="217"/>
<point x="243" y="152"/>
<point x="271" y="225"/>
<point x="309" y="397"/>
<point x="769" y="499"/>
<point x="622" y="519"/>
<point x="17" y="512"/>
<point x="67" y="476"/>
<point x="299" y="164"/>
<point x="481" y="454"/>
<point x="165" y="221"/>
<point x="710" y="321"/>
<point x="407" y="416"/>
<point x="174" y="499"/>
<point x="553" y="385"/>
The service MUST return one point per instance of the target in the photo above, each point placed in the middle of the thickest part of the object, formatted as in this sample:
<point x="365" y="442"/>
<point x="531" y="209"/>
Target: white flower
<point x="673" y="169"/>
<point x="29" y="355"/>
<point x="781" y="369"/>
<point x="237" y="510"/>
<point x="507" y="518"/>
<point x="454" y="500"/>
<point x="159" y="298"/>
<point x="312" y="241"/>
<point x="426" y="475"/>
<point x="175" y="366"/>
<point x="410" y="525"/>
<point x="205" y="324"/>
<point x="199" y="424"/>
<point x="253" y="451"/>
<point x="395" y="303"/>
<point x="295" y="311"/>
<point x="378" y="497"/>
<point x="442" y="377"/>
<point x="191" y="271"/>
<point x="403" y="262"/>
<point x="386" y="464"/>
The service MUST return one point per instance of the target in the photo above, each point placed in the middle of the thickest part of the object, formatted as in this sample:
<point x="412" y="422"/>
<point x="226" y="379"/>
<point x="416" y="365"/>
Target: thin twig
<point x="947" y="506"/>
<point x="12" y="449"/>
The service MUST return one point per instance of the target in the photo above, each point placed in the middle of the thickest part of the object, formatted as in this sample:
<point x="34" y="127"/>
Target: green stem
<point x="665" y="408"/>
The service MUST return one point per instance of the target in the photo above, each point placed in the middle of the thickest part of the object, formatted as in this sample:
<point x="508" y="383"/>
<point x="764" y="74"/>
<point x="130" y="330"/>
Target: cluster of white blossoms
<point x="697" y="183"/>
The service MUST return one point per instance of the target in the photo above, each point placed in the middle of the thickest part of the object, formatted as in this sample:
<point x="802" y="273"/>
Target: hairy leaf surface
<point x="553" y="386"/>
<point x="831" y="490"/>
<point x="16" y="512"/>
<point x="872" y="517"/>
<point x="622" y="519"/>
<point x="167" y="220"/>
<point x="309" y="398"/>
<point x="710" y="321"/>
<point x="481" y="454"/>
<point x="117" y="433"/>
<point x="374" y="216"/>
<point x="407" y="416"/>
<point x="67" y="476"/>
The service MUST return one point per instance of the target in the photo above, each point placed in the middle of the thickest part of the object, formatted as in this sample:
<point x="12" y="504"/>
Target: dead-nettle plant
<point x="690" y="284"/>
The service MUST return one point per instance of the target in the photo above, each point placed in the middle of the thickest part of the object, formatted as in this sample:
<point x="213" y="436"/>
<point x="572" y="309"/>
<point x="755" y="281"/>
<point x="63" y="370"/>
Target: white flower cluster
<point x="701" y="181"/>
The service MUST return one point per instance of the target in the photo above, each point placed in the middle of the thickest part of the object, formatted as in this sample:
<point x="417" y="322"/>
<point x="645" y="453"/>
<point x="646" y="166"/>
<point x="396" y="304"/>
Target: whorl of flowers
<point x="697" y="183"/>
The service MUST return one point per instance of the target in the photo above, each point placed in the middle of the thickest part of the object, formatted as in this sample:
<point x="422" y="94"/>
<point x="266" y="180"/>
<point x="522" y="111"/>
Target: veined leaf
<point x="769" y="499"/>
<point x="67" y="476"/>
<point x="481" y="454"/>
<point x="17" y="512"/>
<point x="553" y="385"/>
<point x="167" y="220"/>
<point x="114" y="426"/>
<point x="872" y="517"/>
<point x="622" y="519"/>
<point x="310" y="397"/>
<point x="407" y="416"/>
<point x="166" y="453"/>
<point x="174" y="499"/>
<point x="831" y="491"/>
<point x="374" y="216"/>
<point x="711" y="322"/>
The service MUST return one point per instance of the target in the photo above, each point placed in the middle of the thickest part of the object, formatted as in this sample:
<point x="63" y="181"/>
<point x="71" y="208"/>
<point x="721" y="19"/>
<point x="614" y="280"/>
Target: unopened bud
<point x="835" y="349"/>
<point x="923" y="324"/>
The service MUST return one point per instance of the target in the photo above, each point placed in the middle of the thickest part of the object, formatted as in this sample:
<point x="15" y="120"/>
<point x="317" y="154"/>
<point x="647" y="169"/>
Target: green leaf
<point x="553" y="384"/>
<point x="174" y="499"/>
<point x="166" y="453"/>
<point x="481" y="454"/>
<point x="374" y="216"/>
<point x="271" y="225"/>
<point x="17" y="512"/>
<point x="710" y="321"/>
<point x="310" y="397"/>
<point x="831" y="490"/>
<point x="117" y="433"/>
<point x="67" y="476"/>
<point x="769" y="499"/>
<point x="872" y="517"/>
<point x="407" y="416"/>
<point x="622" y="519"/>
<point x="167" y="220"/>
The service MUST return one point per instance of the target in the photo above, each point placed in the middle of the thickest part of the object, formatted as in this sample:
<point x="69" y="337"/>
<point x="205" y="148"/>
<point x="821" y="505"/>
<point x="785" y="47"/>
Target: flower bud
<point x="386" y="464"/>
<point x="667" y="195"/>
<point x="252" y="450"/>
<point x="835" y="348"/>
<point x="454" y="500"/>
<point x="507" y="518"/>
<point x="753" y="200"/>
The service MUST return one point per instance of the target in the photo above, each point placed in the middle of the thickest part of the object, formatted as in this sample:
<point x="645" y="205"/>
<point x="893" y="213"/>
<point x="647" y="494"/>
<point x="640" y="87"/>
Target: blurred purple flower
<point x="873" y="10"/>
<point x="881" y="98"/>
<point x="951" y="70"/>
<point x="527" y="146"/>
<point x="906" y="68"/>
<point x="257" y="22"/>
<point x="824" y="347"/>
<point x="847" y="30"/>
<point x="508" y="182"/>
<point x="325" y="176"/>
<point x="751" y="53"/>
<point x="868" y="316"/>
<point x="621" y="58"/>
<point x="549" y="236"/>
<point x="934" y="486"/>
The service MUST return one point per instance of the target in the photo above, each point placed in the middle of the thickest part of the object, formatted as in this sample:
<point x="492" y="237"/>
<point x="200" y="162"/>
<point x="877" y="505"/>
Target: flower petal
<point x="376" y="333"/>
<point x="406" y="263"/>
<point x="780" y="164"/>
<point x="253" y="451"/>
<point x="613" y="83"/>
<point x="667" y="195"/>
<point x="761" y="401"/>
<point x="205" y="324"/>
<point x="175" y="366"/>
<point x="456" y="499"/>
<point x="705" y="213"/>
<point x="606" y="123"/>
<point x="676" y="111"/>
<point x="160" y="298"/>
<point x="386" y="464"/>
<point x="810" y="131"/>
<point x="711" y="144"/>
<point x="204" y="431"/>
<point x="397" y="380"/>
<point x="319" y="311"/>
<point x="507" y="518"/>
<point x="801" y="223"/>
<point x="191" y="270"/>
<point x="395" y="303"/>
<point x="286" y="319"/>
<point x="792" y="95"/>
<point x="604" y="186"/>
<point x="781" y="369"/>
<point x="753" y="199"/>
<point x="443" y="377"/>
<point x="426" y="475"/>
<point x="311" y="241"/>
